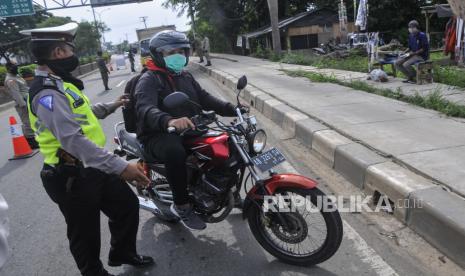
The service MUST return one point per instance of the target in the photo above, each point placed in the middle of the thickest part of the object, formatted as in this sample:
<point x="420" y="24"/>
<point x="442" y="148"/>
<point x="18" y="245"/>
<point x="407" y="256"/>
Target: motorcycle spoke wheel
<point x="307" y="230"/>
<point x="304" y="235"/>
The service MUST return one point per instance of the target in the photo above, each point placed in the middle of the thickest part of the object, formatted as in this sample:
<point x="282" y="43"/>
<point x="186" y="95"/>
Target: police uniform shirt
<point x="55" y="114"/>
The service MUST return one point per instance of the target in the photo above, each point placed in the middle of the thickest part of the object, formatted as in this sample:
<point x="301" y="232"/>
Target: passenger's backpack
<point x="129" y="110"/>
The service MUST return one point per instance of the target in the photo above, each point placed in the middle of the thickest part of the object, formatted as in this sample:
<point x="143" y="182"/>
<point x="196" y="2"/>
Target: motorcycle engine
<point x="212" y="189"/>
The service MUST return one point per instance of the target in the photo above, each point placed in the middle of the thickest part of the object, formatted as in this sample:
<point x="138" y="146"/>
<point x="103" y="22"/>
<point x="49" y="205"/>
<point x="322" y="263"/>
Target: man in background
<point x="18" y="90"/>
<point x="131" y="59"/>
<point x="199" y="48"/>
<point x="104" y="72"/>
<point x="206" y="50"/>
<point x="418" y="51"/>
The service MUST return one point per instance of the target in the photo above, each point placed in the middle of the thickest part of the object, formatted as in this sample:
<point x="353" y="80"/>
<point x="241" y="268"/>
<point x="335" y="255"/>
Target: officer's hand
<point x="122" y="100"/>
<point x="181" y="124"/>
<point x="133" y="172"/>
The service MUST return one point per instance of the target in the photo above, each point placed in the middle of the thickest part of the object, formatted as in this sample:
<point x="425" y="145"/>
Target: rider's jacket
<point x="155" y="85"/>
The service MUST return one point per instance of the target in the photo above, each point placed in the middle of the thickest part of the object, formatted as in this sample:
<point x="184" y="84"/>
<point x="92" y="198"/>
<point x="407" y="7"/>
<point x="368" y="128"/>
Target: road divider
<point x="439" y="219"/>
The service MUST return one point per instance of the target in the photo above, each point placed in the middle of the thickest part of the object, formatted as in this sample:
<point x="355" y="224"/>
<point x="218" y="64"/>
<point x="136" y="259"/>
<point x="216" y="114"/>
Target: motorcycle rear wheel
<point x="265" y="225"/>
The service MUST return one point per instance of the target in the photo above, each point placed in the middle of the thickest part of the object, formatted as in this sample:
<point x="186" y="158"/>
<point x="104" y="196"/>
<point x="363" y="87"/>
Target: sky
<point x="125" y="19"/>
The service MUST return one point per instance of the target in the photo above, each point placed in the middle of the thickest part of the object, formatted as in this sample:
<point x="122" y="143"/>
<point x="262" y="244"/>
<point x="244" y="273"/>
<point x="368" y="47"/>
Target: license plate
<point x="268" y="160"/>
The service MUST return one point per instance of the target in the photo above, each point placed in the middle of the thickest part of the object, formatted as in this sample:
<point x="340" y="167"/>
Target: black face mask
<point x="64" y="67"/>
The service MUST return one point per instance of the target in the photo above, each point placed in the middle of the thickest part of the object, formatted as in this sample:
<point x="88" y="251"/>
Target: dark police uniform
<point x="79" y="175"/>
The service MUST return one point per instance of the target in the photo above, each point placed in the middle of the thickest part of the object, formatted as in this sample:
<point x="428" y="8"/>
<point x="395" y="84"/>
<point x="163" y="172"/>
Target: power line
<point x="144" y="19"/>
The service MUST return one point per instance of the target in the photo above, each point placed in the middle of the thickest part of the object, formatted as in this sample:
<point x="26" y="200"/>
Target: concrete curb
<point x="438" y="219"/>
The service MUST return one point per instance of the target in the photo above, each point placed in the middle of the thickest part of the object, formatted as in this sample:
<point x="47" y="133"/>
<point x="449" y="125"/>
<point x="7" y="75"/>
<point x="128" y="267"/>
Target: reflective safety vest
<point x="82" y="113"/>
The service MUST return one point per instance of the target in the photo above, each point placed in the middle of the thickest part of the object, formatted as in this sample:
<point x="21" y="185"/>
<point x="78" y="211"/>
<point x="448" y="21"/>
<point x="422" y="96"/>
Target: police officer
<point x="78" y="174"/>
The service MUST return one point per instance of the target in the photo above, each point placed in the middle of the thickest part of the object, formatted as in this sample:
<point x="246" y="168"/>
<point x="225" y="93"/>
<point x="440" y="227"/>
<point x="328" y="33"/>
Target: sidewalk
<point x="379" y="144"/>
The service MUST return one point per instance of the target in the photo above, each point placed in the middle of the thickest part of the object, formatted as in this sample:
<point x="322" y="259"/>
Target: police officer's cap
<point x="64" y="33"/>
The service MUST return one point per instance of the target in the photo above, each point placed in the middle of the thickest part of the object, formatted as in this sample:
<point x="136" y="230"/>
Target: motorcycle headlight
<point x="257" y="141"/>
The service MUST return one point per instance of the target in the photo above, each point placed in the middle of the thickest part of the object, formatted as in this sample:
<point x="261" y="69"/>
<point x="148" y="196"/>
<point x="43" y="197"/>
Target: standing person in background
<point x="131" y="60"/>
<point x="199" y="48"/>
<point x="102" y="66"/>
<point x="4" y="231"/>
<point x="18" y="90"/>
<point x="206" y="50"/>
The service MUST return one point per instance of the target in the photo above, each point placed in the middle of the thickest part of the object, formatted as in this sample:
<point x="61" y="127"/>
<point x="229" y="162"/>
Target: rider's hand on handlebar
<point x="244" y="109"/>
<point x="133" y="172"/>
<point x="181" y="124"/>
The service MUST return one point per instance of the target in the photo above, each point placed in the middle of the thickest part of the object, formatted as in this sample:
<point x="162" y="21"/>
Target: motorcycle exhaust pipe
<point x="148" y="205"/>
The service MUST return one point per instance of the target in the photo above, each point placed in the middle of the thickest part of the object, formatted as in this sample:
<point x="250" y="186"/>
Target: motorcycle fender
<point x="272" y="184"/>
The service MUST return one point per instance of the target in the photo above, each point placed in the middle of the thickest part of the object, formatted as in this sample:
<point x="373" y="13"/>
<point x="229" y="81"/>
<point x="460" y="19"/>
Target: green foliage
<point x="27" y="70"/>
<point x="24" y="71"/>
<point x="54" y="21"/>
<point x="434" y="100"/>
<point x="2" y="75"/>
<point x="87" y="37"/>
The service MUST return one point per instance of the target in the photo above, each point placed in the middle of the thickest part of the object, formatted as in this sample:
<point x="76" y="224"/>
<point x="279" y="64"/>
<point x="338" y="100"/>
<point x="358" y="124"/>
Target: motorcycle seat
<point x="130" y="144"/>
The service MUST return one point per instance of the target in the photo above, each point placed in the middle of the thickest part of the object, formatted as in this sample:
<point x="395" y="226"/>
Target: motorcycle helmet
<point x="167" y="41"/>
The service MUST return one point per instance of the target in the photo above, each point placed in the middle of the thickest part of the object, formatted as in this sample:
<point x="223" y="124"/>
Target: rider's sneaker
<point x="188" y="218"/>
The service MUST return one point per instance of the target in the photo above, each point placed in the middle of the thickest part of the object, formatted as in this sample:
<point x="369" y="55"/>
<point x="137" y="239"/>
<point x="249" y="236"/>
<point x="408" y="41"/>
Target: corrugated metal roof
<point x="281" y="24"/>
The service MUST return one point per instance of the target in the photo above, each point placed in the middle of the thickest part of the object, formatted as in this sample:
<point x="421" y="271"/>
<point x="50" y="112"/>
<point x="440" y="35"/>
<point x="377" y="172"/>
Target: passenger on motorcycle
<point x="170" y="54"/>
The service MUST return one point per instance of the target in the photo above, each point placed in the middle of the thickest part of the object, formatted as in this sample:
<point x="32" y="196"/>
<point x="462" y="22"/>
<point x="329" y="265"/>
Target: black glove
<point x="244" y="109"/>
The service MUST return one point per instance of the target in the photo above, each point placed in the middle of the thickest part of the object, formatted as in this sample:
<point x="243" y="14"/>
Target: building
<point x="305" y="30"/>
<point x="143" y="34"/>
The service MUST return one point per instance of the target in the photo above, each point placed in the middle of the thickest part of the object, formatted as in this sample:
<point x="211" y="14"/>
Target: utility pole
<point x="191" y="13"/>
<point x="96" y="28"/>
<point x="144" y="19"/>
<point x="273" y="7"/>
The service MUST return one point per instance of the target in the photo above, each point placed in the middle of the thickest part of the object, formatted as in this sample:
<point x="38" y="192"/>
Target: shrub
<point x="26" y="71"/>
<point x="2" y="75"/>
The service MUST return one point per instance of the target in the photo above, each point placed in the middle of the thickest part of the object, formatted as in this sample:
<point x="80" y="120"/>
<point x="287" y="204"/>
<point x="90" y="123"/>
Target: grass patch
<point x="450" y="75"/>
<point x="434" y="100"/>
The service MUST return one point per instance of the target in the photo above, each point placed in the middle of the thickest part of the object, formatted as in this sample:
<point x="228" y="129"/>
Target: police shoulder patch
<point x="47" y="102"/>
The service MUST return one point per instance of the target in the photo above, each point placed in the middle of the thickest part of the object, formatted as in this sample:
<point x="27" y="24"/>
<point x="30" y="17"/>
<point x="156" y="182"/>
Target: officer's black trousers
<point x="94" y="191"/>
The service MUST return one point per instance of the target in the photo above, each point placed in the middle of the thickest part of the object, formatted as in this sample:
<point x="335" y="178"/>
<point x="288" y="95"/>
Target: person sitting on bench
<point x="418" y="51"/>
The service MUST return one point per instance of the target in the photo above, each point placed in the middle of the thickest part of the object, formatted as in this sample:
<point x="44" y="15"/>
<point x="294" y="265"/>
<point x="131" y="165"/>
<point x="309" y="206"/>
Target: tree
<point x="11" y="40"/>
<point x="54" y="21"/>
<point x="273" y="8"/>
<point x="87" y="37"/>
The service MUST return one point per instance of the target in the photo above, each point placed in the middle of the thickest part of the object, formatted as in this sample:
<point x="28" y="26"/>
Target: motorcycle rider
<point x="170" y="53"/>
<point x="79" y="175"/>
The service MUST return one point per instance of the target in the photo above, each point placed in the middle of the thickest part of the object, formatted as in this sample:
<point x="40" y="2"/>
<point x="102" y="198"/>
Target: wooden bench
<point x="424" y="72"/>
<point x="388" y="60"/>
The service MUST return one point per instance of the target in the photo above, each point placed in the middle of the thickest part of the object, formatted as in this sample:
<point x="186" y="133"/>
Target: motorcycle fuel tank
<point x="212" y="145"/>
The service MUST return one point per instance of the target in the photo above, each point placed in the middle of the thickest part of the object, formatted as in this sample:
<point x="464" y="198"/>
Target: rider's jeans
<point x="169" y="149"/>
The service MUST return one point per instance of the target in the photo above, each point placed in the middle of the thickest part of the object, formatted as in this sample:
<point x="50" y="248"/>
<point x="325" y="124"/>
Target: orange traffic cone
<point x="20" y="146"/>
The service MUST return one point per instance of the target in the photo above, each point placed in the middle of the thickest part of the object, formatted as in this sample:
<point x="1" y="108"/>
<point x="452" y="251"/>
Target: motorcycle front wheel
<point x="298" y="235"/>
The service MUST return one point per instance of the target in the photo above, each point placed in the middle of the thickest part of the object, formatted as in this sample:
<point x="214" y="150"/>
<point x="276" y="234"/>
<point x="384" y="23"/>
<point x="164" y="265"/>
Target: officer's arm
<point x="102" y="110"/>
<point x="53" y="110"/>
<point x="13" y="88"/>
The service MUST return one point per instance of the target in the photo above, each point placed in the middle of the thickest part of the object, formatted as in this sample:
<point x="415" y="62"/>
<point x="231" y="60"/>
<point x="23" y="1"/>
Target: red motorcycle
<point x="282" y="210"/>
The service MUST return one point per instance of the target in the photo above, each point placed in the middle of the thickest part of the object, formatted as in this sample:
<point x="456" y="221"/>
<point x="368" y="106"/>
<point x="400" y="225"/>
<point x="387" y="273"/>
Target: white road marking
<point x="366" y="253"/>
<point x="121" y="83"/>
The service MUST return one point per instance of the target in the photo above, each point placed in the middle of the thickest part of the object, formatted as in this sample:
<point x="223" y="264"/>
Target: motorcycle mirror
<point x="242" y="83"/>
<point x="175" y="99"/>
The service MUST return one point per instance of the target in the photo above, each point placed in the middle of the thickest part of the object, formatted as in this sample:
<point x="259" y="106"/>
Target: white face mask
<point x="412" y="30"/>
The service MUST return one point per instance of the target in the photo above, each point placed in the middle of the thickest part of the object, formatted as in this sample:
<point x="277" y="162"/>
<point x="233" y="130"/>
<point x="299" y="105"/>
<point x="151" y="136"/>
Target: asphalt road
<point x="374" y="244"/>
